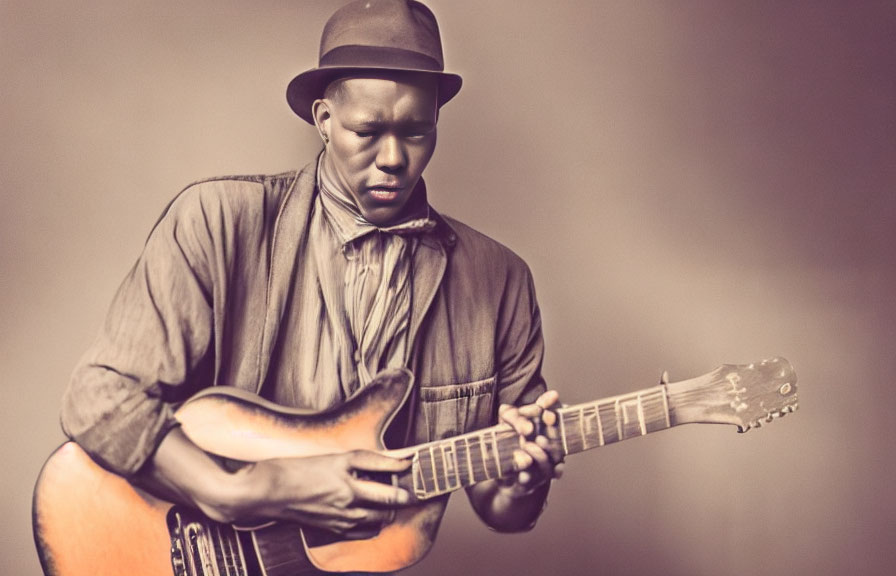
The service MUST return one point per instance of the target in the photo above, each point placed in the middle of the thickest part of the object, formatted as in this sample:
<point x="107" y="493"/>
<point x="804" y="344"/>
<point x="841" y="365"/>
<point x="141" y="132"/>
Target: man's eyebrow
<point x="378" y="124"/>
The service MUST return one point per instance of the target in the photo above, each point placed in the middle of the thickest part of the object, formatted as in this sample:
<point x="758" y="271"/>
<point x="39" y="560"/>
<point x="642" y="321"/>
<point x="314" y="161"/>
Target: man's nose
<point x="391" y="155"/>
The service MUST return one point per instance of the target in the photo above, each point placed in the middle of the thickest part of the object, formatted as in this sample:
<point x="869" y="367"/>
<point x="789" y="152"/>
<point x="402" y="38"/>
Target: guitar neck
<point x="446" y="465"/>
<point x="741" y="395"/>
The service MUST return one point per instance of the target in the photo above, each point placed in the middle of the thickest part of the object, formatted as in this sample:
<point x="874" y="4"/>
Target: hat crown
<point x="386" y="25"/>
<point x="370" y="37"/>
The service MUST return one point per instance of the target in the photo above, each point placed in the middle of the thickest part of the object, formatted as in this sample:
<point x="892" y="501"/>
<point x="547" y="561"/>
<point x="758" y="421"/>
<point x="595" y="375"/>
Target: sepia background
<point x="692" y="183"/>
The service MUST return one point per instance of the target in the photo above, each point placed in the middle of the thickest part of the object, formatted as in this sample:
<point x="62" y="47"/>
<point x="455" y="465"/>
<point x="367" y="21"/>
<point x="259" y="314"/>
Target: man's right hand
<point x="320" y="491"/>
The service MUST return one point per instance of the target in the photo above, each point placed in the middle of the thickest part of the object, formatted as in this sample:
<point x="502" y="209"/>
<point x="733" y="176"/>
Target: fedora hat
<point x="374" y="36"/>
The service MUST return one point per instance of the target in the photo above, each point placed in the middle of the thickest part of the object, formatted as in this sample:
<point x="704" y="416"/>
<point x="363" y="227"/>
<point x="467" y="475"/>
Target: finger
<point x="559" y="469"/>
<point x="521" y="460"/>
<point x="553" y="449"/>
<point x="376" y="462"/>
<point x="532" y="411"/>
<point x="378" y="493"/>
<point x="541" y="461"/>
<point x="549" y="417"/>
<point x="548" y="399"/>
<point x="375" y="516"/>
<point x="520" y="424"/>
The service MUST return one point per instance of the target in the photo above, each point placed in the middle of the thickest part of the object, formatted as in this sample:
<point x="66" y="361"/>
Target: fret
<point x="456" y="463"/>
<point x="562" y="422"/>
<point x="619" y="413"/>
<point x="664" y="392"/>
<point x="582" y="427"/>
<point x="589" y="414"/>
<point x="496" y="453"/>
<point x="485" y="459"/>
<point x="641" y="415"/>
<point x="469" y="459"/>
<point x="608" y="414"/>
<point x="449" y="466"/>
<point x="419" y="477"/>
<point x="628" y="423"/>
<point x="435" y="467"/>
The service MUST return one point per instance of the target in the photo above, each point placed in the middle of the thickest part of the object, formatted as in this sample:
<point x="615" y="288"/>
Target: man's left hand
<point x="540" y="455"/>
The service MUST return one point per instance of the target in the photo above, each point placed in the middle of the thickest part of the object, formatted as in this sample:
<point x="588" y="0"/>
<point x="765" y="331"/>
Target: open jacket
<point x="207" y="301"/>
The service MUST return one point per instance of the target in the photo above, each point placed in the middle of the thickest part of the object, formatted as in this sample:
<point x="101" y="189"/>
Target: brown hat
<point x="374" y="35"/>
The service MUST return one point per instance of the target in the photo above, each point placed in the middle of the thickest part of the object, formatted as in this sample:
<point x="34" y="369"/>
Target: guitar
<point x="88" y="521"/>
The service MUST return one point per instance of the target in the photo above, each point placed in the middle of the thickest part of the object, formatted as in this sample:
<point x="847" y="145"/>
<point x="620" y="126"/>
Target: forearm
<point x="504" y="509"/>
<point x="182" y="472"/>
<point x="319" y="491"/>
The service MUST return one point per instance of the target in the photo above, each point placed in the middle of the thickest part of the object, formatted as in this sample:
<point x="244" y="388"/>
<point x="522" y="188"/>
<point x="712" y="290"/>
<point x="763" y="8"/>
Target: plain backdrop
<point x="692" y="183"/>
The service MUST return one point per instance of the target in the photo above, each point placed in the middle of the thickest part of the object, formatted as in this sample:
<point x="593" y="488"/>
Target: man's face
<point x="382" y="133"/>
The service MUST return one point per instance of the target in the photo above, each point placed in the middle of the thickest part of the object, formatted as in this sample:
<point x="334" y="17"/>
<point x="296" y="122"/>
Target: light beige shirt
<point x="362" y="273"/>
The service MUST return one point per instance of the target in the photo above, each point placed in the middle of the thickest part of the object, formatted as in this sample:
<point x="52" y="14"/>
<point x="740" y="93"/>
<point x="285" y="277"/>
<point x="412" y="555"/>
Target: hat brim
<point x="309" y="86"/>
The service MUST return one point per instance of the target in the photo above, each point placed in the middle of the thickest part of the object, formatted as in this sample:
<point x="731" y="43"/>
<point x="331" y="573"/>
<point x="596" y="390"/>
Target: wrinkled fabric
<point x="370" y="300"/>
<point x="225" y="285"/>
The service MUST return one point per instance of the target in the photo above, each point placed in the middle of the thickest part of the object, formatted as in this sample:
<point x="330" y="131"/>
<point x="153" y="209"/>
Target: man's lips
<point x="384" y="193"/>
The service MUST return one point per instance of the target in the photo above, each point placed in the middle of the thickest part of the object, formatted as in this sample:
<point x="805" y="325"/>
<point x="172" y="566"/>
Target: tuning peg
<point x="664" y="378"/>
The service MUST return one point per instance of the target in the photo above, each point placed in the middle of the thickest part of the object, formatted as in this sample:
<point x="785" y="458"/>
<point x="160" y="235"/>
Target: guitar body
<point x="88" y="521"/>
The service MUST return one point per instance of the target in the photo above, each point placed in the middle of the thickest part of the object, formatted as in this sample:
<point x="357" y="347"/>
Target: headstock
<point x="746" y="395"/>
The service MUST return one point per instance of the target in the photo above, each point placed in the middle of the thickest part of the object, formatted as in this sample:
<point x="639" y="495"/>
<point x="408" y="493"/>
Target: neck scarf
<point x="377" y="280"/>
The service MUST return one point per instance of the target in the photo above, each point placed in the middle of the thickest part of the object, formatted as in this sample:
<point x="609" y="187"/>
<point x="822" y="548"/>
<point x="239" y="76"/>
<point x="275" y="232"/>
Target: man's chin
<point x="382" y="216"/>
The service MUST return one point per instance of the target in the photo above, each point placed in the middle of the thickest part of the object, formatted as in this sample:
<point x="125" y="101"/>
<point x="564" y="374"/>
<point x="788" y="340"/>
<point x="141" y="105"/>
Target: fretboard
<point x="446" y="465"/>
<point x="610" y="420"/>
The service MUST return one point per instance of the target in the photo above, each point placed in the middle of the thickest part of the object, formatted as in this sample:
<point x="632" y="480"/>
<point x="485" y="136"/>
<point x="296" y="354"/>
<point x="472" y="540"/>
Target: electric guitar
<point x="90" y="522"/>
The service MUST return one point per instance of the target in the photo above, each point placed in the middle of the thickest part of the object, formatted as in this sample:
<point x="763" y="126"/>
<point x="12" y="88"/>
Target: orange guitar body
<point x="88" y="521"/>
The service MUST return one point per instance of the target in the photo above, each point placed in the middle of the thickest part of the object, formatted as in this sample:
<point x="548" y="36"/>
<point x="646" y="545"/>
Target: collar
<point x="420" y="219"/>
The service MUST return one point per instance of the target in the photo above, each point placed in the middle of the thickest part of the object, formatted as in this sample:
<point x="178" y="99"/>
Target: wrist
<point x="228" y="496"/>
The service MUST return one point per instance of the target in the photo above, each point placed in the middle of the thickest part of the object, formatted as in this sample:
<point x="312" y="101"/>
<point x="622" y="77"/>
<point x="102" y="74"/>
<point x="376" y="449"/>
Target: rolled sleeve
<point x="157" y="334"/>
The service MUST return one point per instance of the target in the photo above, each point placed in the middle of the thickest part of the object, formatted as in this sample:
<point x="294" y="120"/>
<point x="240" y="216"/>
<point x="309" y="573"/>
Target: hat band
<point x="359" y="56"/>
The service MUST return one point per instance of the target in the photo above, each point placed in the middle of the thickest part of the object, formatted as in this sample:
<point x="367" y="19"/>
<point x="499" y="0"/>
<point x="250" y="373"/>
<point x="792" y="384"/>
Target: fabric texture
<point x="223" y="294"/>
<point x="371" y="296"/>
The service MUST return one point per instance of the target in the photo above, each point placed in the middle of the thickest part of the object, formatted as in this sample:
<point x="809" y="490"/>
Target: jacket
<point x="207" y="301"/>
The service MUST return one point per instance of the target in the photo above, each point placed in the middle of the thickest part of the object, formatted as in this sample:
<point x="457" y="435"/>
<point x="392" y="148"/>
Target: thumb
<point x="376" y="462"/>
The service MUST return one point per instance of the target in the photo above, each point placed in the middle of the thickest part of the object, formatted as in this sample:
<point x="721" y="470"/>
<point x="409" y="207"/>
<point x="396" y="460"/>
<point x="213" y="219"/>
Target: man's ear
<point x="320" y="110"/>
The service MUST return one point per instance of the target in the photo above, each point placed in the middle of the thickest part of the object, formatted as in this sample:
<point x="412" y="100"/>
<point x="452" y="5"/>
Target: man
<point x="303" y="286"/>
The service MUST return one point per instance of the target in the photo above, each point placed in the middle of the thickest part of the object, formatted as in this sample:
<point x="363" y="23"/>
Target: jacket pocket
<point x="452" y="409"/>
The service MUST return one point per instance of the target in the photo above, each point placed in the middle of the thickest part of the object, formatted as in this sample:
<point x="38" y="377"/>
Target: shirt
<point x="359" y="323"/>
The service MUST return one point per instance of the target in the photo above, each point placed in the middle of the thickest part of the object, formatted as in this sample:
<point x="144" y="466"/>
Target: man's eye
<point x="363" y="134"/>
